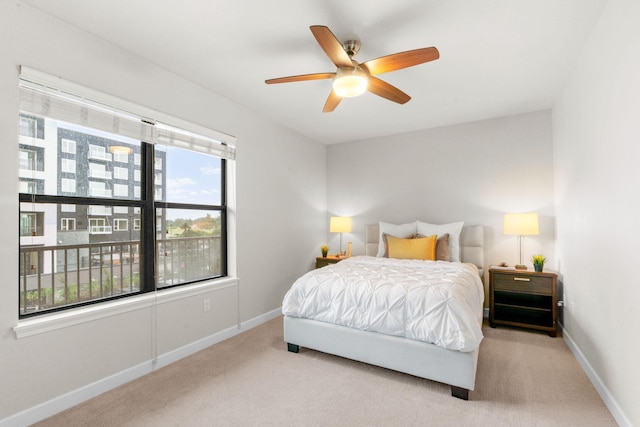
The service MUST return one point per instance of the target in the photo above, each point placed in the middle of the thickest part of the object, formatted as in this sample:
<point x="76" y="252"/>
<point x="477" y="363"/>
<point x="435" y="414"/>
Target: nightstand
<point x="330" y="259"/>
<point x="523" y="298"/>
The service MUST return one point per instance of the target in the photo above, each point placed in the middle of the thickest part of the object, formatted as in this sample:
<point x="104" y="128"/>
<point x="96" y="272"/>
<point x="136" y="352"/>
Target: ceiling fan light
<point x="350" y="82"/>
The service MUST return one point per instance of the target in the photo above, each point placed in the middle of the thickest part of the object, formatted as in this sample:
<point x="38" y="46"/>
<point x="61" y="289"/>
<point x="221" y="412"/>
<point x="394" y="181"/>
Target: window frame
<point x="146" y="205"/>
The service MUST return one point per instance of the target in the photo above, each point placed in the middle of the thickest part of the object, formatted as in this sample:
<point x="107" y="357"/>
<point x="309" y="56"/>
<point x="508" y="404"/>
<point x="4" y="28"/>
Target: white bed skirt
<point x="400" y="354"/>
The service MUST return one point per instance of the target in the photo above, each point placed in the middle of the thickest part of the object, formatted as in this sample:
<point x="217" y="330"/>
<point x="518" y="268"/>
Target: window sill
<point x="59" y="320"/>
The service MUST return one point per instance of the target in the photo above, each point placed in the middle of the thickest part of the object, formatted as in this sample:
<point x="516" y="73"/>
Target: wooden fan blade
<point x="332" y="102"/>
<point x="401" y="60"/>
<point x="331" y="46"/>
<point x="385" y="90"/>
<point x="301" y="78"/>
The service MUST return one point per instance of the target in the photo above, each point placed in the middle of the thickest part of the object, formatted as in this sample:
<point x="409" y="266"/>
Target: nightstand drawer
<point x="523" y="283"/>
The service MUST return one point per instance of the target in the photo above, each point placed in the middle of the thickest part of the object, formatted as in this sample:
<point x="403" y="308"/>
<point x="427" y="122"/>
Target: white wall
<point x="280" y="222"/>
<point x="597" y="152"/>
<point x="473" y="172"/>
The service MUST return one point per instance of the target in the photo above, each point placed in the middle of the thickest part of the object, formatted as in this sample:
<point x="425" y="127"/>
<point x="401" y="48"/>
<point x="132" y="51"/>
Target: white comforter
<point x="433" y="301"/>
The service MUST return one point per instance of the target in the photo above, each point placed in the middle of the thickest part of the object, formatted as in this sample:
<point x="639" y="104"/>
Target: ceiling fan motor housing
<point x="351" y="47"/>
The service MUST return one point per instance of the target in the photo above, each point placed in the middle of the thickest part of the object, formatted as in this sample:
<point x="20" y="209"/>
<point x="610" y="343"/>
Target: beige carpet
<point x="524" y="379"/>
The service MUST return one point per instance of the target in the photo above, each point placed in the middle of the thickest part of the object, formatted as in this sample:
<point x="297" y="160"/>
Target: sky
<point x="191" y="177"/>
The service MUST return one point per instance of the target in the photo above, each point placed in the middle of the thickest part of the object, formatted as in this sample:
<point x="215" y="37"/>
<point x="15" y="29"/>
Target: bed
<point x="452" y="361"/>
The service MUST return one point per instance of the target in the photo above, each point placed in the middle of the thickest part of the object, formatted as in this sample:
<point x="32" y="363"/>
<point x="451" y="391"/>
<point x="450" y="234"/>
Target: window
<point x="180" y="187"/>
<point x="120" y="173"/>
<point x="28" y="159"/>
<point x="121" y="224"/>
<point x="121" y="157"/>
<point x="31" y="223"/>
<point x="98" y="189"/>
<point x="28" y="126"/>
<point x="68" y="146"/>
<point x="31" y="126"/>
<point x="190" y="235"/>
<point x="68" y="185"/>
<point x="120" y="190"/>
<point x="67" y="224"/>
<point x="99" y="226"/>
<point x="68" y="165"/>
<point x="31" y="186"/>
<point x="98" y="171"/>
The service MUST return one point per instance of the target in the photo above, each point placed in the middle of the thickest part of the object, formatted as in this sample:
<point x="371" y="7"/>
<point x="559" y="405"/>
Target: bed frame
<point x="417" y="358"/>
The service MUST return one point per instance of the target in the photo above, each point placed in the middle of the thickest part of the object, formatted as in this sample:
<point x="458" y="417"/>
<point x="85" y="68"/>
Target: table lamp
<point x="340" y="224"/>
<point x="521" y="224"/>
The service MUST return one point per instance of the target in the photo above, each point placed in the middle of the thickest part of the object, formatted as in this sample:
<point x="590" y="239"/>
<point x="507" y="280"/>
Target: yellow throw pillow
<point x="421" y="248"/>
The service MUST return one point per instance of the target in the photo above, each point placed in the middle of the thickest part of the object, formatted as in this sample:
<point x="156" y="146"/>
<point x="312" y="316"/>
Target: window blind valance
<point x="48" y="96"/>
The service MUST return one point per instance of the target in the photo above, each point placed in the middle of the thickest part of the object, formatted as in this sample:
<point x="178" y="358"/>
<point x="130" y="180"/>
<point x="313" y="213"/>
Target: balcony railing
<point x="100" y="229"/>
<point x="63" y="275"/>
<point x="100" y="174"/>
<point x="99" y="210"/>
<point x="54" y="276"/>
<point x="100" y="155"/>
<point x="187" y="259"/>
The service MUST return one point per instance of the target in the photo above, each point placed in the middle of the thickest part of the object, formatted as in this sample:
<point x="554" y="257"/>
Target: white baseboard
<point x="75" y="397"/>
<point x="600" y="387"/>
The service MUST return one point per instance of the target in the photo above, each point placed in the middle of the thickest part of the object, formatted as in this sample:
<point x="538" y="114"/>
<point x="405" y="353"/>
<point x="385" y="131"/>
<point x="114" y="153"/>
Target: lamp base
<point x="521" y="267"/>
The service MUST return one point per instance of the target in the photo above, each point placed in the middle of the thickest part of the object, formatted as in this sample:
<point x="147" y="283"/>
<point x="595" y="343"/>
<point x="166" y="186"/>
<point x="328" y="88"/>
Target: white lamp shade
<point x="521" y="224"/>
<point x="340" y="224"/>
<point x="350" y="82"/>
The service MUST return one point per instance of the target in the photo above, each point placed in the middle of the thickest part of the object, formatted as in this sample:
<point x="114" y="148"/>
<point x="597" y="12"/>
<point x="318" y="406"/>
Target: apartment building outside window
<point x="115" y="236"/>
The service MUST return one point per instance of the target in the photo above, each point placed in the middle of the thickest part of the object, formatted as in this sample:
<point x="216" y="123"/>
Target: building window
<point x="31" y="224"/>
<point x="120" y="173"/>
<point x="31" y="126"/>
<point x="98" y="171"/>
<point x="31" y="186"/>
<point x="68" y="165"/>
<point x="121" y="224"/>
<point x="68" y="146"/>
<point x="68" y="185"/>
<point x="28" y="159"/>
<point x="121" y="157"/>
<point x="99" y="226"/>
<point x="61" y="270"/>
<point x="67" y="224"/>
<point x="120" y="190"/>
<point x="98" y="189"/>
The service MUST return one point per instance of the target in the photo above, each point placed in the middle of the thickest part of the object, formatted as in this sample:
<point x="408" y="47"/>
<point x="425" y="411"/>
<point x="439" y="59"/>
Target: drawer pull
<point x="522" y="279"/>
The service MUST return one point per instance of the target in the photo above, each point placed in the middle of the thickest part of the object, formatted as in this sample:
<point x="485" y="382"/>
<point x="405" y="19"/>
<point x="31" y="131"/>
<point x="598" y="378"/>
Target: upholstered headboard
<point x="471" y="244"/>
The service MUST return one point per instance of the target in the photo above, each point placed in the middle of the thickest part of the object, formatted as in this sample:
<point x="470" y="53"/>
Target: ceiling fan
<point x="353" y="79"/>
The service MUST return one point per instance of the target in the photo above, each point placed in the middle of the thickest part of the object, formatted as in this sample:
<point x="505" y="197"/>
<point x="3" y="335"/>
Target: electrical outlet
<point x="206" y="305"/>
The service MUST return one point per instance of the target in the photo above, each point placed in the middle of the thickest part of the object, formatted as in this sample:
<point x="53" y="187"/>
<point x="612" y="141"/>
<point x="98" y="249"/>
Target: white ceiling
<point x="497" y="57"/>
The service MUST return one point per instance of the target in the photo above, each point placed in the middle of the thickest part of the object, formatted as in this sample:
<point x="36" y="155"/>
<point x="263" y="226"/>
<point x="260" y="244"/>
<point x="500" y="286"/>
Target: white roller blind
<point x="181" y="138"/>
<point x="47" y="102"/>
<point x="48" y="96"/>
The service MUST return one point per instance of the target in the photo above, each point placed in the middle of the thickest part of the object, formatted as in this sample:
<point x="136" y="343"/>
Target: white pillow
<point x="397" y="230"/>
<point x="454" y="229"/>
